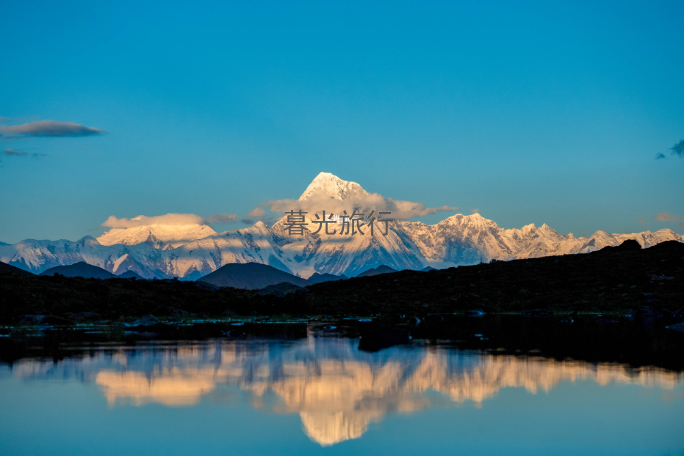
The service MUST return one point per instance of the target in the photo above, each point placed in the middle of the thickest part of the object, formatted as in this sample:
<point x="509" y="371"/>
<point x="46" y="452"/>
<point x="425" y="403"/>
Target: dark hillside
<point x="608" y="280"/>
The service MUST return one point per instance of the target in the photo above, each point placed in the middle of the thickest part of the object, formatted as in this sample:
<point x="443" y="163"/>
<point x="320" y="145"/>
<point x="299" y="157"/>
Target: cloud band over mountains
<point x="168" y="219"/>
<point x="50" y="128"/>
<point x="401" y="210"/>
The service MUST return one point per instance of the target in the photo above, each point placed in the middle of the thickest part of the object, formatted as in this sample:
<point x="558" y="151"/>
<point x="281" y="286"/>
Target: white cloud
<point x="256" y="212"/>
<point x="665" y="217"/>
<point x="168" y="219"/>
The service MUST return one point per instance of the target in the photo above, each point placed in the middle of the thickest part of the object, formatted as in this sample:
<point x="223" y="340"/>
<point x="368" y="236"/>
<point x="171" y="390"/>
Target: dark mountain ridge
<point x="649" y="281"/>
<point x="130" y="275"/>
<point x="80" y="269"/>
<point x="250" y="276"/>
<point x="382" y="269"/>
<point x="320" y="278"/>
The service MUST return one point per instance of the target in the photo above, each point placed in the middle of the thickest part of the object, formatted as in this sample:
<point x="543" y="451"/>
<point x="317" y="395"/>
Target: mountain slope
<point x="320" y="278"/>
<point x="250" y="276"/>
<point x="382" y="269"/>
<point x="130" y="275"/>
<point x="6" y="269"/>
<point x="80" y="269"/>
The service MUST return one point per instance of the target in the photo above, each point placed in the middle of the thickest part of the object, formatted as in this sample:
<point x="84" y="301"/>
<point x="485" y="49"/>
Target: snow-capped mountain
<point x="192" y="251"/>
<point x="164" y="237"/>
<point x="331" y="186"/>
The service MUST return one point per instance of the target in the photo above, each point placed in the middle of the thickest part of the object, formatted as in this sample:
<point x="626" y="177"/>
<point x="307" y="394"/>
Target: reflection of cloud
<point x="51" y="128"/>
<point x="175" y="388"/>
<point x="665" y="217"/>
<point x="336" y="389"/>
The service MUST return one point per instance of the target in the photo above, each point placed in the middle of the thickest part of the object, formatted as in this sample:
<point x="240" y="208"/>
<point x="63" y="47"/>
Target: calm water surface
<point x="322" y="395"/>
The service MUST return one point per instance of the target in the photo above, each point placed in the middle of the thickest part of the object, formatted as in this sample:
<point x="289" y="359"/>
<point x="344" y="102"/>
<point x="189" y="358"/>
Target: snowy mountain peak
<point x="477" y="218"/>
<point x="472" y="220"/>
<point x="327" y="184"/>
<point x="259" y="227"/>
<point x="547" y="229"/>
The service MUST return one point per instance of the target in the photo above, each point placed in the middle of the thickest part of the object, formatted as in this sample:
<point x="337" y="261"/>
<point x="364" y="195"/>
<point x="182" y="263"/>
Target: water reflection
<point x="336" y="389"/>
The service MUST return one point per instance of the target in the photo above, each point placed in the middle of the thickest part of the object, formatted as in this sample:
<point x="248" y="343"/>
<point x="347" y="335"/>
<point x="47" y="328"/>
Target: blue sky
<point x="531" y="112"/>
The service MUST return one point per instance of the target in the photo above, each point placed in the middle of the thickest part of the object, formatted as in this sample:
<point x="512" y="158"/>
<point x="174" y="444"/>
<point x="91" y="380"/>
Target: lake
<point x="315" y="392"/>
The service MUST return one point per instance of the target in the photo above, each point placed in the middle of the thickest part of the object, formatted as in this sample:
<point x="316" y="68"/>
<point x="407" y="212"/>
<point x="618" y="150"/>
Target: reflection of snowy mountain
<point x="182" y="250"/>
<point x="336" y="389"/>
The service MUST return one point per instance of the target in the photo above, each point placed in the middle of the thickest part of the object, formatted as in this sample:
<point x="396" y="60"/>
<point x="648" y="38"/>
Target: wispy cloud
<point x="14" y="153"/>
<point x="678" y="149"/>
<point x="256" y="212"/>
<point x="267" y="220"/>
<point x="50" y="128"/>
<point x="641" y="220"/>
<point x="259" y="215"/>
<point x="665" y="217"/>
<point x="221" y="218"/>
<point x="475" y="211"/>
<point x="169" y="219"/>
<point x="21" y="153"/>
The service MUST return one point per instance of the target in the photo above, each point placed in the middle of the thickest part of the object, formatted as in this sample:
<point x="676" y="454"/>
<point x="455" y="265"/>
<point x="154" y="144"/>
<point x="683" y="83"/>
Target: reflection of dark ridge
<point x="58" y="344"/>
<point x="625" y="342"/>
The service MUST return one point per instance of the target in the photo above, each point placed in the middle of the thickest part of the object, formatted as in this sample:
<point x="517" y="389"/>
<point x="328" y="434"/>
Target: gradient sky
<point x="531" y="112"/>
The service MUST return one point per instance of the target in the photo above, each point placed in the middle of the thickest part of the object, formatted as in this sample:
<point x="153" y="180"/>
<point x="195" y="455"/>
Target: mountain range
<point x="193" y="251"/>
